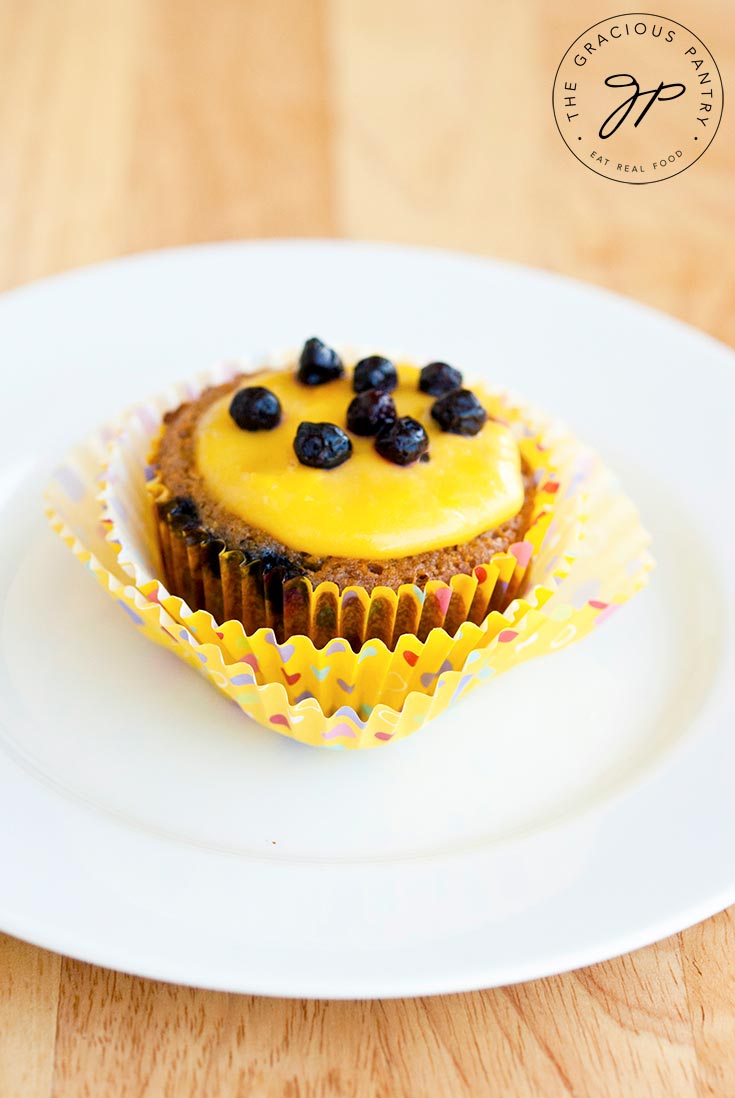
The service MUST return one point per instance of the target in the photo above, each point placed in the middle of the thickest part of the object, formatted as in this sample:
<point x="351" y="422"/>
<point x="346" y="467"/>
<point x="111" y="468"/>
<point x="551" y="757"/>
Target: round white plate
<point x="579" y="807"/>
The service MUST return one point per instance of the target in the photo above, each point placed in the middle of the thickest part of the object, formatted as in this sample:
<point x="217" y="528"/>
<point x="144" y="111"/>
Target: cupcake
<point x="326" y="501"/>
<point x="345" y="552"/>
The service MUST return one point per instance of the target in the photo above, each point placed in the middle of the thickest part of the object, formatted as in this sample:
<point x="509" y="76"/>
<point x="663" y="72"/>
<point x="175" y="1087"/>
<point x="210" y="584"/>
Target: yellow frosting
<point x="367" y="507"/>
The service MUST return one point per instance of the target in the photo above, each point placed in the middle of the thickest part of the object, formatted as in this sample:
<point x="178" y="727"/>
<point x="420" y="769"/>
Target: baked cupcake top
<point x="284" y="454"/>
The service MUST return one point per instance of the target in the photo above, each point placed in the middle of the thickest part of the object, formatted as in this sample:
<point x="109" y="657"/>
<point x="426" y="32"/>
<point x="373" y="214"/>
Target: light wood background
<point x="134" y="124"/>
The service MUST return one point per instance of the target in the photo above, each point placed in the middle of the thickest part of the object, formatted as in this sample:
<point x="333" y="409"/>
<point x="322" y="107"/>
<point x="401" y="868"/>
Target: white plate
<point x="579" y="807"/>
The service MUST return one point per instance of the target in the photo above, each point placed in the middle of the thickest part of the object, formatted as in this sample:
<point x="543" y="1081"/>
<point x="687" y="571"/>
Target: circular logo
<point x="637" y="98"/>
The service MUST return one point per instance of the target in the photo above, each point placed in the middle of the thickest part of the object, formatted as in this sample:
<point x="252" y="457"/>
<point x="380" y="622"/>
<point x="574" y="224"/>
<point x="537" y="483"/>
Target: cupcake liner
<point x="590" y="557"/>
<point x="209" y="577"/>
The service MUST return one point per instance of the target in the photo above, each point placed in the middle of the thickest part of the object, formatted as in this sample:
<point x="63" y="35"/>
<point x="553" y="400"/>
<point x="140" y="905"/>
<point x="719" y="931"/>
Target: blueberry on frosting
<point x="318" y="363"/>
<point x="321" y="445"/>
<point x="459" y="412"/>
<point x="438" y="378"/>
<point x="374" y="372"/>
<point x="256" y="409"/>
<point x="403" y="442"/>
<point x="370" y="411"/>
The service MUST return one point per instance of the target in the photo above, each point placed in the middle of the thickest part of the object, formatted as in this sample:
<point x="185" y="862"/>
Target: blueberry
<point x="369" y="412"/>
<point x="374" y="373"/>
<point x="459" y="412"/>
<point x="182" y="514"/>
<point x="403" y="442"/>
<point x="318" y="363"/>
<point x="183" y="508"/>
<point x="438" y="378"/>
<point x="321" y="445"/>
<point x="278" y="565"/>
<point x="256" y="409"/>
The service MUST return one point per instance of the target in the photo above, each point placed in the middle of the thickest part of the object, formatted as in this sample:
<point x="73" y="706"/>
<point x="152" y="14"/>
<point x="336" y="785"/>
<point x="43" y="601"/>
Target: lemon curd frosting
<point x="367" y="507"/>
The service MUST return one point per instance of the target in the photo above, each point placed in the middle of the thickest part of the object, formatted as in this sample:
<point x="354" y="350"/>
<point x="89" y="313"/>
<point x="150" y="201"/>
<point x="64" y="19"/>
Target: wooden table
<point x="135" y="124"/>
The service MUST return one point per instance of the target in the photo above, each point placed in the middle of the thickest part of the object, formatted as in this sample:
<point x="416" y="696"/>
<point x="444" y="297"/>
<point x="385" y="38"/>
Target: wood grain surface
<point x="136" y="124"/>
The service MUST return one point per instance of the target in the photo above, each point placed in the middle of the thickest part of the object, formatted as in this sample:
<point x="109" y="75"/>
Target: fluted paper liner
<point x="588" y="555"/>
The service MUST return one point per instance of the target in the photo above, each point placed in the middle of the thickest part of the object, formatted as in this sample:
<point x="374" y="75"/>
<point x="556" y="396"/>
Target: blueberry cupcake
<point x="330" y="500"/>
<point x="346" y="548"/>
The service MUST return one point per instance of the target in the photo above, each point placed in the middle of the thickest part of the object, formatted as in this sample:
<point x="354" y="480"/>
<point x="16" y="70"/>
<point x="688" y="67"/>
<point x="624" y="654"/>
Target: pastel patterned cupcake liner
<point x="591" y="558"/>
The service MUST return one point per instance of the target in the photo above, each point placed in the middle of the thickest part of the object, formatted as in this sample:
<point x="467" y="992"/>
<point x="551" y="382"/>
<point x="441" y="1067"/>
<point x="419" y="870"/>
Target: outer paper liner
<point x="589" y="556"/>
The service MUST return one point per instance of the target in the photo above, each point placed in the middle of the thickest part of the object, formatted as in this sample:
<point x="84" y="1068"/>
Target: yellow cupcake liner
<point x="590" y="557"/>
